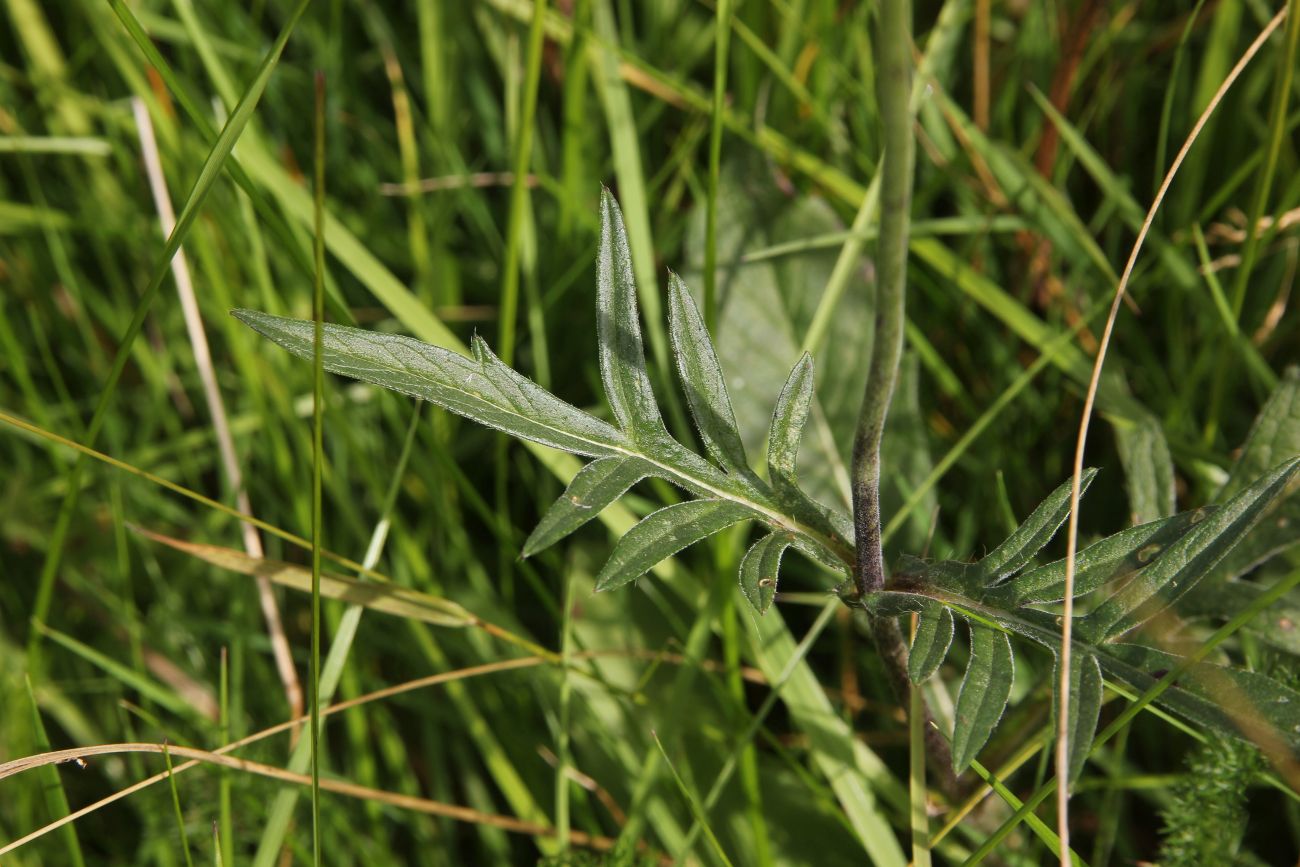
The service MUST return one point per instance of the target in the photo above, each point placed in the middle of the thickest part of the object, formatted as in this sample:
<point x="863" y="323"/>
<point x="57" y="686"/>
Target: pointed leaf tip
<point x="1029" y="538"/>
<point x="760" y="568"/>
<point x="702" y="380"/>
<point x="618" y="328"/>
<point x="595" y="486"/>
<point x="788" y="419"/>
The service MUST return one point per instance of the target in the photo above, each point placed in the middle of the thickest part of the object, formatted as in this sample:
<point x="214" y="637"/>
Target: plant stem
<point x="893" y="91"/>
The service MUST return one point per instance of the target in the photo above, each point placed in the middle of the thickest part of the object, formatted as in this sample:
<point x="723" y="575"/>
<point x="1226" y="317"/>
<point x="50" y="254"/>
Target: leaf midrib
<point x="780" y="520"/>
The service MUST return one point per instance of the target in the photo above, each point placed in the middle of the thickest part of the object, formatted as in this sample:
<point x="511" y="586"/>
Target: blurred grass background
<point x="1043" y="131"/>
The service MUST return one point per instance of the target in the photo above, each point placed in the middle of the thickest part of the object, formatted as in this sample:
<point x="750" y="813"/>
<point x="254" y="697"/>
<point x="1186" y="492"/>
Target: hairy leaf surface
<point x="618" y="327"/>
<point x="1085" y="706"/>
<point x="665" y="532"/>
<point x="1030" y="537"/>
<point x="984" y="693"/>
<point x="482" y="388"/>
<point x="1177" y="570"/>
<point x="596" y="486"/>
<point x="934" y="632"/>
<point x="759" y="569"/>
<point x="706" y="390"/>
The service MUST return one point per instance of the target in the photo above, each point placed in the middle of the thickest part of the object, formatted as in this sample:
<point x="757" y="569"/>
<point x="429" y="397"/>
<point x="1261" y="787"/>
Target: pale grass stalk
<point x="1072" y="536"/>
<point x="339" y="787"/>
<point x="18" y="766"/>
<point x="216" y="407"/>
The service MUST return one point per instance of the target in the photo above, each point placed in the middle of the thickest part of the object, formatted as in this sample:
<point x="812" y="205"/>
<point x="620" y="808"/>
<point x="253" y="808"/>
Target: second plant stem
<point x="893" y="91"/>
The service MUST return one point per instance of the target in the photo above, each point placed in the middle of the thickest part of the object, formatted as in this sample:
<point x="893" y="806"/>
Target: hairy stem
<point x="893" y="91"/>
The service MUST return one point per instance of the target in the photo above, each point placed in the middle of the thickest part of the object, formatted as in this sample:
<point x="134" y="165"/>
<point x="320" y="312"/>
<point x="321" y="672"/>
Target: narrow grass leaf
<point x="389" y="599"/>
<point x="1187" y="561"/>
<point x="1040" y="828"/>
<point x="759" y="570"/>
<point x="934" y="631"/>
<point x="127" y="676"/>
<point x="664" y="533"/>
<point x="787" y="424"/>
<point x="984" y="693"/>
<point x="1085" y="707"/>
<point x="596" y="485"/>
<point x="1030" y="537"/>
<point x="480" y="388"/>
<point x="56" y="798"/>
<point x="1111" y="558"/>
<point x="622" y="355"/>
<point x="706" y="390"/>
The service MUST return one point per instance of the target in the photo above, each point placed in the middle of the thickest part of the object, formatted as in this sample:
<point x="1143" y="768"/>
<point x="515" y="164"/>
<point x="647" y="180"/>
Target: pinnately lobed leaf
<point x="759" y="569"/>
<point x="1178" y="569"/>
<point x="1104" y="560"/>
<point x="983" y="695"/>
<point x="663" y="533"/>
<point x="618" y="327"/>
<point x="480" y="388"/>
<point x="934" y="631"/>
<point x="706" y="390"/>
<point x="596" y="486"/>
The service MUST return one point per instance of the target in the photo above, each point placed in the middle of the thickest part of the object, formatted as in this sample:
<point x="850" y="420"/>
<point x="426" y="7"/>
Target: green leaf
<point x="1085" y="706"/>
<point x="618" y="325"/>
<point x="1227" y="700"/>
<point x="1111" y="558"/>
<point x="934" y="631"/>
<point x="787" y="424"/>
<point x="983" y="695"/>
<point x="1273" y="438"/>
<point x="1278" y="626"/>
<point x="665" y="532"/>
<point x="481" y="388"/>
<point x="1029" y="538"/>
<point x="596" y="485"/>
<point x="1148" y="467"/>
<point x="759" y="570"/>
<point x="1187" y="561"/>
<point x="706" y="390"/>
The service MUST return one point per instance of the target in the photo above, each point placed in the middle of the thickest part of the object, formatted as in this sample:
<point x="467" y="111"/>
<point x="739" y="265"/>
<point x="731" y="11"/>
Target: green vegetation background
<point x="1033" y="174"/>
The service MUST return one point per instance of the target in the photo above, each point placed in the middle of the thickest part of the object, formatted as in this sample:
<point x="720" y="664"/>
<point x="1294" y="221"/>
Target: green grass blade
<point x="203" y="184"/>
<point x="56" y="798"/>
<point x="694" y="803"/>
